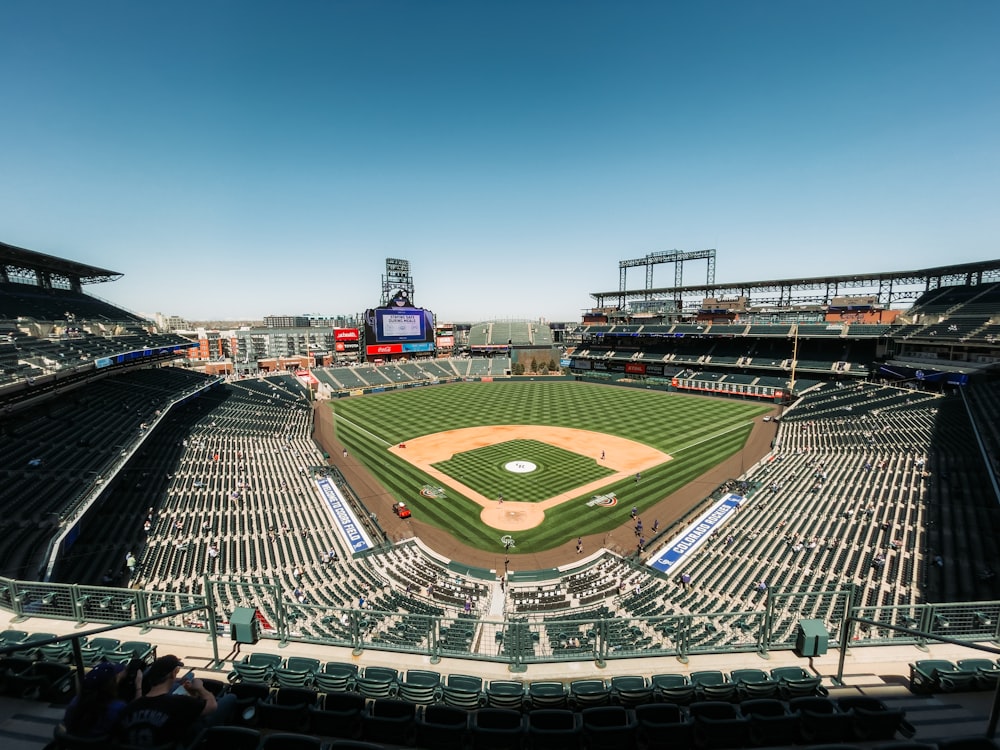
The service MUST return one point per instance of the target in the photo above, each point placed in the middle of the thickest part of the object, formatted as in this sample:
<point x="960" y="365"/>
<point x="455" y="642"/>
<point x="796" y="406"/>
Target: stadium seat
<point x="420" y="686"/>
<point x="286" y="709"/>
<point x="754" y="683"/>
<point x="442" y="727"/>
<point x="244" y="672"/>
<point x="664" y="726"/>
<point x="554" y="728"/>
<point x="389" y="721"/>
<point x="497" y="729"/>
<point x="297" y="671"/>
<point x="587" y="693"/>
<point x="795" y="682"/>
<point x="822" y="720"/>
<point x="940" y="675"/>
<point x="463" y="691"/>
<point x="338" y="714"/>
<point x="247" y="694"/>
<point x="673" y="688"/>
<point x="377" y="682"/>
<point x="609" y="727"/>
<point x="872" y="720"/>
<point x="505" y="694"/>
<point x="771" y="722"/>
<point x="719" y="724"/>
<point x="335" y="677"/>
<point x="987" y="672"/>
<point x="712" y="685"/>
<point x="631" y="690"/>
<point x="547" y="694"/>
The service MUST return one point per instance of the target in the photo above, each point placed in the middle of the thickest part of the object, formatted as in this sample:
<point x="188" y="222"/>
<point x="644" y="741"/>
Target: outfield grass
<point x="482" y="470"/>
<point x="697" y="432"/>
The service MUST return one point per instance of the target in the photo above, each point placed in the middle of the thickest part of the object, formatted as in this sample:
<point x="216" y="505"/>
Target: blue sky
<point x="241" y="159"/>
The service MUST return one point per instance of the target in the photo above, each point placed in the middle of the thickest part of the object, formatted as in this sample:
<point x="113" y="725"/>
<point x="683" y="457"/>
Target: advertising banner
<point x="376" y="349"/>
<point x="347" y="524"/>
<point x="684" y="544"/>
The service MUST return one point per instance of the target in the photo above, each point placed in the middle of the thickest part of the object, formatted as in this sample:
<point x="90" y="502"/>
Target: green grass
<point x="697" y="432"/>
<point x="482" y="470"/>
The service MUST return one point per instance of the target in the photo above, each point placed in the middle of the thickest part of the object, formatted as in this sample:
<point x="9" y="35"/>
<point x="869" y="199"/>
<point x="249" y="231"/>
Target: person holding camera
<point x="172" y="708"/>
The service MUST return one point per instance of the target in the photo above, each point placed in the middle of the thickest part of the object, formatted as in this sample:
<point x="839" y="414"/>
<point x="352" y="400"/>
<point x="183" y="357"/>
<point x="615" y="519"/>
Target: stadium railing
<point x="515" y="641"/>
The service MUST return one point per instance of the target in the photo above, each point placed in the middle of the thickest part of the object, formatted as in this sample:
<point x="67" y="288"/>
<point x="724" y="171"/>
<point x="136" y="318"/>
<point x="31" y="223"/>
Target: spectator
<point x="130" y="684"/>
<point x="93" y="712"/>
<point x="170" y="711"/>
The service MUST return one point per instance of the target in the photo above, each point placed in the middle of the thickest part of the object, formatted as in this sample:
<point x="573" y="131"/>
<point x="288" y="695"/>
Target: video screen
<point x="394" y="325"/>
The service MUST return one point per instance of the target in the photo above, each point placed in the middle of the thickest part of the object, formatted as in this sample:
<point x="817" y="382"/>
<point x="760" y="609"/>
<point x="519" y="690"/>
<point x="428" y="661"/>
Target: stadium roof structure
<point x="19" y="262"/>
<point x="888" y="287"/>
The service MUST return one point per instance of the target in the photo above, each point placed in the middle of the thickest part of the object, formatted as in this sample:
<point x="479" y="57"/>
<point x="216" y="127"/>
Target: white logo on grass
<point x="520" y="467"/>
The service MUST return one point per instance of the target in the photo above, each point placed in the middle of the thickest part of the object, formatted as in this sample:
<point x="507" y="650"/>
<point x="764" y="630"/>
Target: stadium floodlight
<point x="105" y="602"/>
<point x="940" y="621"/>
<point x="982" y="620"/>
<point x="48" y="598"/>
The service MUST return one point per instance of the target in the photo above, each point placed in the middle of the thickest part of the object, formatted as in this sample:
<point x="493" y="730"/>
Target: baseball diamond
<point x="460" y="436"/>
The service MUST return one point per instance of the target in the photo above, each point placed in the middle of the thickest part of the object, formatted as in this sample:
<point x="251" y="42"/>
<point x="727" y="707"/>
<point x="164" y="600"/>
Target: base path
<point x="675" y="508"/>
<point x="625" y="457"/>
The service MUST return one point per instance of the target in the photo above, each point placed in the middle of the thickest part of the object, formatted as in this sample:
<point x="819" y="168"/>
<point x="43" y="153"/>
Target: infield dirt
<point x="625" y="457"/>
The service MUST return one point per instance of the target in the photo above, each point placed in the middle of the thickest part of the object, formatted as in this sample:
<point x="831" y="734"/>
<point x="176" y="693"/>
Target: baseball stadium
<point x="710" y="515"/>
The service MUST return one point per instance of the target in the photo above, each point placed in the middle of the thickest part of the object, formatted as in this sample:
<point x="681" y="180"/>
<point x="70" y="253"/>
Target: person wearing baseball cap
<point x="170" y="709"/>
<point x="95" y="709"/>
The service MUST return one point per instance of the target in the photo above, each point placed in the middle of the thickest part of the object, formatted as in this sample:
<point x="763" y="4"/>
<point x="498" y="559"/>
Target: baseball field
<point x="540" y="462"/>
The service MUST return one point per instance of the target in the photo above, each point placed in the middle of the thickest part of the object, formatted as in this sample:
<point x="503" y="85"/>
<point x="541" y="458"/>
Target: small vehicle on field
<point x="401" y="510"/>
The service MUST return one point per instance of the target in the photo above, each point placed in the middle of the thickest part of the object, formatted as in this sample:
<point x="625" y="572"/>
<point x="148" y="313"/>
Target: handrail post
<point x="601" y="644"/>
<point x="765" y="628"/>
<point x="434" y="638"/>
<point x="209" y="592"/>
<point x="17" y="602"/>
<point x="684" y="642"/>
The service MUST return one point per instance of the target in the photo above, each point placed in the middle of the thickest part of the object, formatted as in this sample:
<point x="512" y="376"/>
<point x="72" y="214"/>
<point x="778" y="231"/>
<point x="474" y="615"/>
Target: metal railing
<point x="577" y="635"/>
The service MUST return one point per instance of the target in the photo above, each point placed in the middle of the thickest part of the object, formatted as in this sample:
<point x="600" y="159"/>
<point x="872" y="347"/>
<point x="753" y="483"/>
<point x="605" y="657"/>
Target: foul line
<point x="359" y="428"/>
<point x="713" y="437"/>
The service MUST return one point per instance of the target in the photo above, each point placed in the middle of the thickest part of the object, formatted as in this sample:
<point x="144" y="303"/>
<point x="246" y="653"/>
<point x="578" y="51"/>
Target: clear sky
<point x="240" y="159"/>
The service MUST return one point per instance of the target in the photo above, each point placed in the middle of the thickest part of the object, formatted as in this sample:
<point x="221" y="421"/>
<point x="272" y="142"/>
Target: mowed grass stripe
<point x="697" y="431"/>
<point x="558" y="470"/>
<point x="663" y="420"/>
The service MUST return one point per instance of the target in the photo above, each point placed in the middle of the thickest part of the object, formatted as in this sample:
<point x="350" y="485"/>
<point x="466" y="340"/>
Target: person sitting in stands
<point x="170" y="710"/>
<point x="94" y="711"/>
